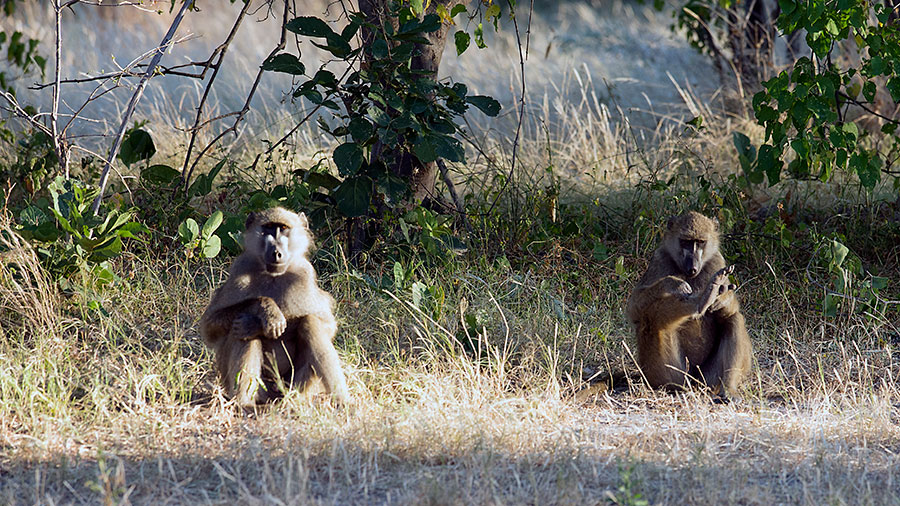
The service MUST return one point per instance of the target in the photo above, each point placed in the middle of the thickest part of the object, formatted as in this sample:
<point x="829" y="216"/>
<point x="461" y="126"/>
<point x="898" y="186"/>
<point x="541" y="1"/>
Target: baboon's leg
<point x="323" y="358"/>
<point x="728" y="364"/>
<point x="664" y="366"/>
<point x="243" y="375"/>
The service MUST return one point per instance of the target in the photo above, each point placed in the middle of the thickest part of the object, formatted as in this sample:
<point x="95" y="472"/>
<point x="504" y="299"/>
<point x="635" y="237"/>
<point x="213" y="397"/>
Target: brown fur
<point x="685" y="313"/>
<point x="270" y="324"/>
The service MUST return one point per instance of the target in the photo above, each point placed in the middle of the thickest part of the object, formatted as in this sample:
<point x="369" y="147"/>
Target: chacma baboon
<point x="685" y="313"/>
<point x="270" y="324"/>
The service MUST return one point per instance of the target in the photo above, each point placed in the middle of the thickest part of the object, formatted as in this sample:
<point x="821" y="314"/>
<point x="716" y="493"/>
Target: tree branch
<point x="221" y="50"/>
<point x="58" y="146"/>
<point x="162" y="48"/>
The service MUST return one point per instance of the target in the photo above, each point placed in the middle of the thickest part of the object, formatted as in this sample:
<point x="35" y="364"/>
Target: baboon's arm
<point x="670" y="300"/>
<point x="259" y="315"/>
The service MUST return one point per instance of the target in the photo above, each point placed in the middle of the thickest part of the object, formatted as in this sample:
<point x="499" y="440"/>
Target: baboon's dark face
<point x="280" y="244"/>
<point x="691" y="239"/>
<point x="690" y="259"/>
<point x="276" y="247"/>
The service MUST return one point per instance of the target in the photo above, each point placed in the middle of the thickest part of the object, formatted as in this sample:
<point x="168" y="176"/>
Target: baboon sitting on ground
<point x="270" y="324"/>
<point x="685" y="313"/>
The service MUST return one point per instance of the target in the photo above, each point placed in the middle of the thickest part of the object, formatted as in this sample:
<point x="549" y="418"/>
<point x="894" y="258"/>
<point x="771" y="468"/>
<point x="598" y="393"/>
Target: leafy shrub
<point x="72" y="242"/>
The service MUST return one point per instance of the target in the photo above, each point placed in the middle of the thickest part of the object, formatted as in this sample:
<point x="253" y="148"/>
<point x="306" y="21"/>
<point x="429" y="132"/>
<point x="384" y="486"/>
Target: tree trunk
<point x="426" y="57"/>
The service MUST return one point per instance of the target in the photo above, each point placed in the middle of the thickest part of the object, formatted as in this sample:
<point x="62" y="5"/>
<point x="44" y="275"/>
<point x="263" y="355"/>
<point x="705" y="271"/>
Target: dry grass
<point x="123" y="409"/>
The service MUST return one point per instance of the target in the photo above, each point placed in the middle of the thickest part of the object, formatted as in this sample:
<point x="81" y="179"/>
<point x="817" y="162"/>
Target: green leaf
<point x="33" y="216"/>
<point x="211" y="247"/>
<point x="379" y="49"/>
<point x="360" y="129"/>
<point x="869" y="91"/>
<point x="479" y="37"/>
<point x="838" y="253"/>
<point x="893" y="86"/>
<point x="418" y="293"/>
<point x="485" y="104"/>
<point x="448" y="148"/>
<point x="870" y="173"/>
<point x="212" y="223"/>
<point x="829" y="306"/>
<point x="348" y="157"/>
<point x="417" y="6"/>
<point x="353" y="196"/>
<point x="393" y="187"/>
<point x="309" y="26"/>
<point x="159" y="175"/>
<point x="769" y="163"/>
<point x="399" y="274"/>
<point x="492" y="13"/>
<point x="424" y="150"/>
<point x="132" y="230"/>
<point x="458" y="8"/>
<point x="203" y="185"/>
<point x="137" y="146"/>
<point x="107" y="250"/>
<point x="284" y="62"/>
<point x="462" y="40"/>
<point x="787" y="6"/>
<point x="321" y="179"/>
<point x="188" y="231"/>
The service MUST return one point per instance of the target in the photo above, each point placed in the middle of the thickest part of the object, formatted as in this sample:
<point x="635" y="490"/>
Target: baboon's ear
<point x="250" y="219"/>
<point x="715" y="223"/>
<point x="303" y="219"/>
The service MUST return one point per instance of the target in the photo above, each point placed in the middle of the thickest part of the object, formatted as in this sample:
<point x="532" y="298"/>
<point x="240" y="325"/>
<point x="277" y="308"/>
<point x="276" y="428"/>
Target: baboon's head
<point x="277" y="237"/>
<point x="691" y="239"/>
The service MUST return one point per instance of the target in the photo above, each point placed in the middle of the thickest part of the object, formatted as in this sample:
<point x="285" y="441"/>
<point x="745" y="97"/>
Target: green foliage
<point x="626" y="495"/>
<point x="851" y="288"/>
<point x="432" y="231"/>
<point x="71" y="241"/>
<point x="137" y="146"/>
<point x="194" y="238"/>
<point x="388" y="111"/>
<point x="804" y="108"/>
<point x="35" y="161"/>
<point x="21" y="54"/>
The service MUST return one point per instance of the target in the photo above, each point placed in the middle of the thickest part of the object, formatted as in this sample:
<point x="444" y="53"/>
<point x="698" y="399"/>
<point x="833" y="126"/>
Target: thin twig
<point x="515" y="148"/>
<point x="460" y="208"/>
<point x="221" y="50"/>
<point x="282" y="42"/>
<point x="17" y="109"/>
<point x="58" y="146"/>
<point x="162" y="48"/>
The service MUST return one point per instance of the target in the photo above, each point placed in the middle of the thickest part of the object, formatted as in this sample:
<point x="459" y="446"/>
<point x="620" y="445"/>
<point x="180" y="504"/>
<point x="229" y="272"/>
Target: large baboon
<point x="270" y="324"/>
<point x="685" y="313"/>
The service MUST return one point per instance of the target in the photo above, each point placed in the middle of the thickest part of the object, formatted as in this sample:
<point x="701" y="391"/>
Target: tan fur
<point x="270" y="324"/>
<point x="689" y="326"/>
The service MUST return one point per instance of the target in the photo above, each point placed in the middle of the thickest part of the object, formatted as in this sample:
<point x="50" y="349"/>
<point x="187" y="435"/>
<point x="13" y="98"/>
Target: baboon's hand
<point x="725" y="295"/>
<point x="274" y="322"/>
<point x="718" y="285"/>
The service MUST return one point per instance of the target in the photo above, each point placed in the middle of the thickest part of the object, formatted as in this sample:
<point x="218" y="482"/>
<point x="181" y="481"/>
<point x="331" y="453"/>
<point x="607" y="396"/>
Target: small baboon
<point x="686" y="314"/>
<point x="270" y="324"/>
